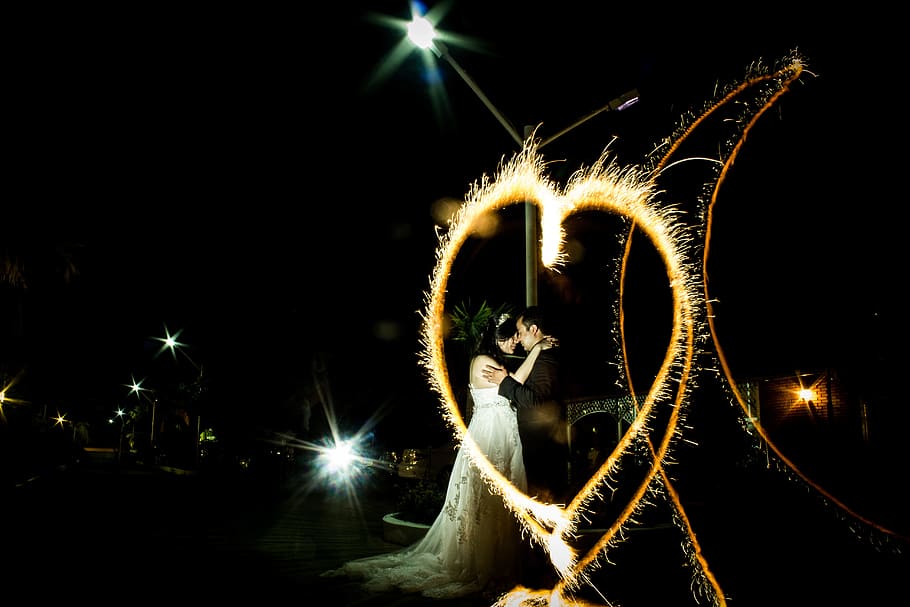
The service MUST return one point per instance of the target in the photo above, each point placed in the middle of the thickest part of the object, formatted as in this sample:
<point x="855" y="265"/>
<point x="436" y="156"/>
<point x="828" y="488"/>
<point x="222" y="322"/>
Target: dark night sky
<point x="243" y="178"/>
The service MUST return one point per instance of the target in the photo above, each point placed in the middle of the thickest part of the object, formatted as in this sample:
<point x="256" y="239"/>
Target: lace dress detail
<point x="474" y="543"/>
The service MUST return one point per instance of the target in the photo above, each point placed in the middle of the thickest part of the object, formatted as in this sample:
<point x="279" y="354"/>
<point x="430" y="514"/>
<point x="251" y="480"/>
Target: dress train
<point x="474" y="544"/>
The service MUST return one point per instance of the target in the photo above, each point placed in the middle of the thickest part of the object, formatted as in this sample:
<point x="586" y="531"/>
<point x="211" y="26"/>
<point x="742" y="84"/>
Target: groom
<point x="541" y="412"/>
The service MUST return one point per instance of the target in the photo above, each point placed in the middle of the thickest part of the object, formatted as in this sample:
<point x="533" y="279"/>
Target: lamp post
<point x="137" y="389"/>
<point x="423" y="34"/>
<point x="170" y="342"/>
<point x="119" y="413"/>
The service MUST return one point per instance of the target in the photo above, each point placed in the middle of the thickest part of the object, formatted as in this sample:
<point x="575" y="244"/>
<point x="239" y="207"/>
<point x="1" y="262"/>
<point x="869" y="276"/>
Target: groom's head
<point x="531" y="327"/>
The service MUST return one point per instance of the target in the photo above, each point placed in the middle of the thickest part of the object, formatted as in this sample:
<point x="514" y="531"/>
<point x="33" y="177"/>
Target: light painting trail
<point x="602" y="187"/>
<point x="631" y="193"/>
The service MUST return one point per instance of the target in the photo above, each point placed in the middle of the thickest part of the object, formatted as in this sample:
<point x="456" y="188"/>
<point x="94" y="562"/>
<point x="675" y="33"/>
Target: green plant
<point x="420" y="502"/>
<point x="468" y="325"/>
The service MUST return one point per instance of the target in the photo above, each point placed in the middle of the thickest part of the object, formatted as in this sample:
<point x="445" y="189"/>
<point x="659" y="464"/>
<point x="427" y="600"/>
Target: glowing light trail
<point x="629" y="192"/>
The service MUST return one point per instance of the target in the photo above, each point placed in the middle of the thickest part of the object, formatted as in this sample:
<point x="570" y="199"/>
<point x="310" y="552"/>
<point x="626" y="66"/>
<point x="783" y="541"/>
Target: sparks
<point x="631" y="193"/>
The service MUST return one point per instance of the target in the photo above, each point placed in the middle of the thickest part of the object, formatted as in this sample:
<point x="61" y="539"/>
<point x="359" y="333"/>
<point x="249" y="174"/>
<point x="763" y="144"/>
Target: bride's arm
<point x="521" y="373"/>
<point x="478" y="379"/>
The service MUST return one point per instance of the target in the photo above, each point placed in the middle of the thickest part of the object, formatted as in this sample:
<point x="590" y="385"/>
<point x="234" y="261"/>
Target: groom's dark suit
<point x="542" y="425"/>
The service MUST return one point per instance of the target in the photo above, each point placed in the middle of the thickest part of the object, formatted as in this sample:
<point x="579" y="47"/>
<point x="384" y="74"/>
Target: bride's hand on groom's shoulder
<point x="548" y="342"/>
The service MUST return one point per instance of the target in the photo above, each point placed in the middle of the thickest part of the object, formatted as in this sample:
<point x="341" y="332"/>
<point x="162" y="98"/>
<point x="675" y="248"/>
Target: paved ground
<point x="117" y="535"/>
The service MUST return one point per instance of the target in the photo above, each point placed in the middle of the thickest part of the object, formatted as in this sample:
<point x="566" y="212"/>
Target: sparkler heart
<point x="631" y="194"/>
<point x="603" y="187"/>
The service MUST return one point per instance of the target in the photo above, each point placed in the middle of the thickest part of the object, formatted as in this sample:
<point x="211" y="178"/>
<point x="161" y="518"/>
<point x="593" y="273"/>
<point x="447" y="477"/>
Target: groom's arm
<point x="539" y="388"/>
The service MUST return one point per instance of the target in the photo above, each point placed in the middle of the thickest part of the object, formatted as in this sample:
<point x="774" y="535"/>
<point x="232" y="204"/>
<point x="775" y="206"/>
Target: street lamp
<point x="120" y="413"/>
<point x="61" y="421"/>
<point x="137" y="389"/>
<point x="423" y="34"/>
<point x="170" y="342"/>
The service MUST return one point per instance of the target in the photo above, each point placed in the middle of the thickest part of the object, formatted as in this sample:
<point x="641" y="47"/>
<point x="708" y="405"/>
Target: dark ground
<point x="115" y="535"/>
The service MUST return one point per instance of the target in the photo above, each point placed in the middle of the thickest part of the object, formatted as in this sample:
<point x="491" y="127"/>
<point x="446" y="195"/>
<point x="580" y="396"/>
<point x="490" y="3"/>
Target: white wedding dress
<point x="475" y="542"/>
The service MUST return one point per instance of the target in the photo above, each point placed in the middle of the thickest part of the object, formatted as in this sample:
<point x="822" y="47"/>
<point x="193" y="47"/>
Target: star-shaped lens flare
<point x="169" y="342"/>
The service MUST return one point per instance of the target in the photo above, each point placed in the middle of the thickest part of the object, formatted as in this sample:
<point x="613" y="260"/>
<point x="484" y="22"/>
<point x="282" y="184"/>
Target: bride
<point x="474" y="545"/>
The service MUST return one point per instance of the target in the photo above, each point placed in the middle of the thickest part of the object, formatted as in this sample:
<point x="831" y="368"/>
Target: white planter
<point x="401" y="532"/>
